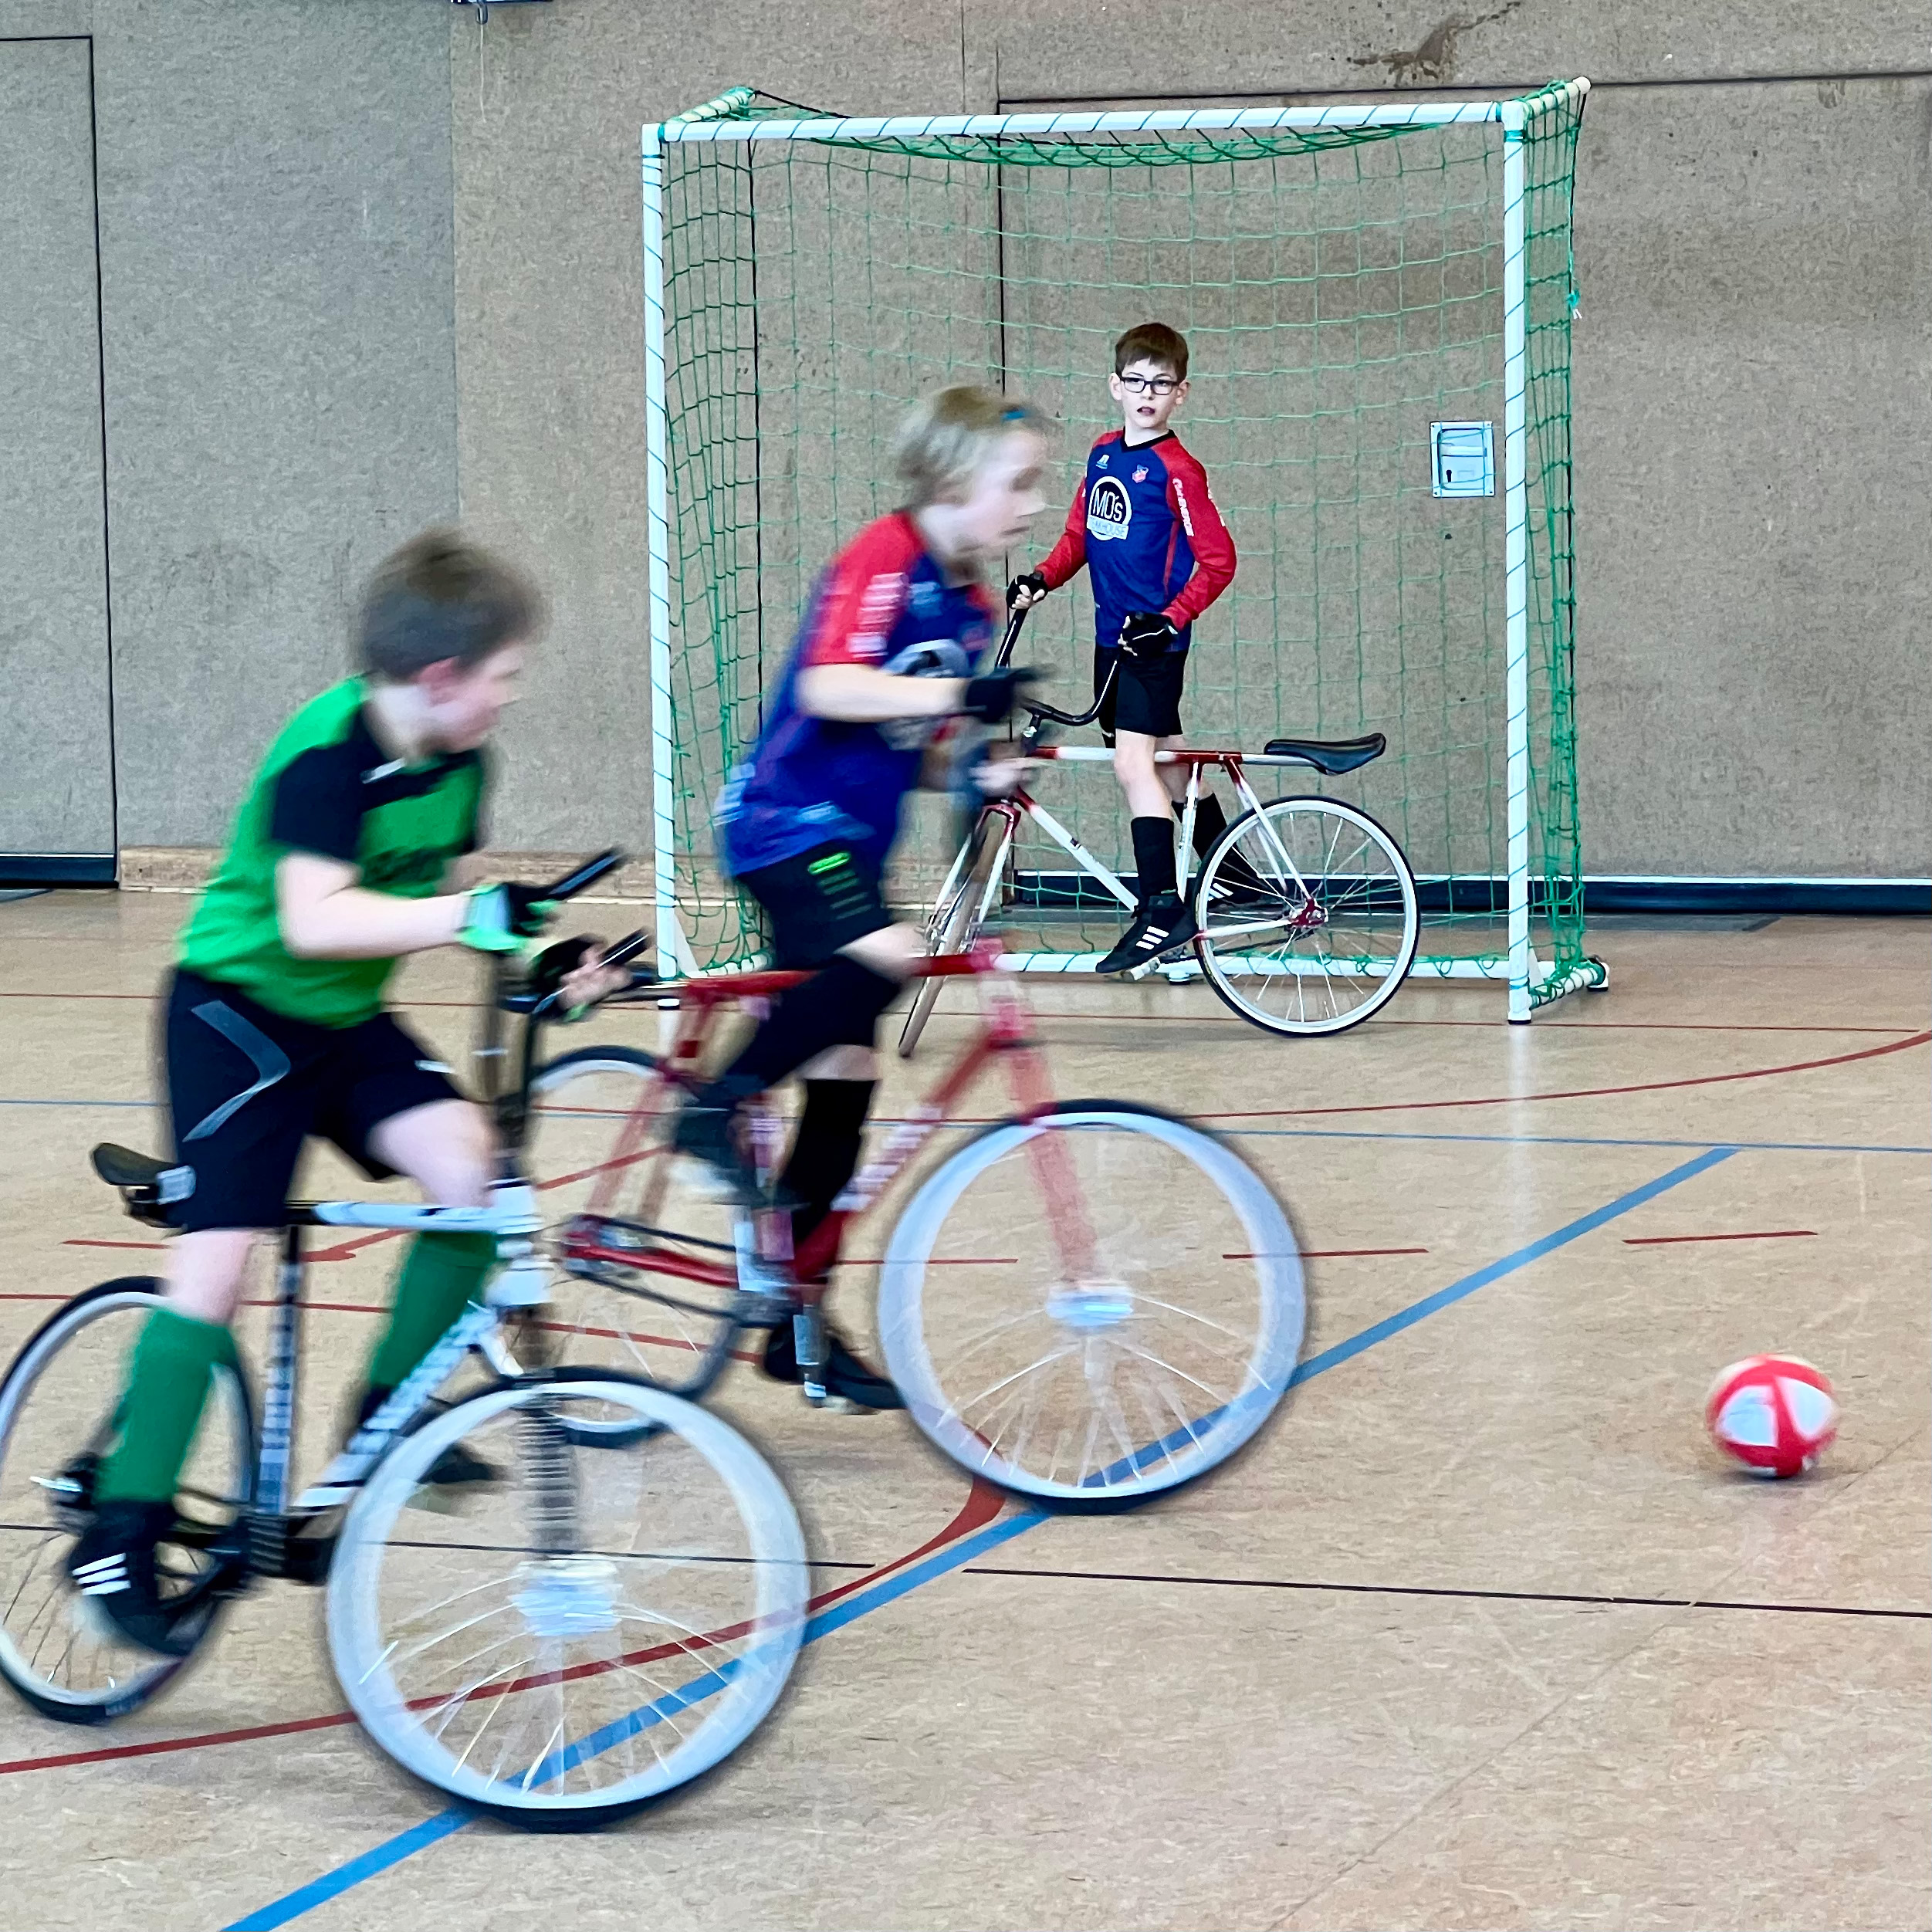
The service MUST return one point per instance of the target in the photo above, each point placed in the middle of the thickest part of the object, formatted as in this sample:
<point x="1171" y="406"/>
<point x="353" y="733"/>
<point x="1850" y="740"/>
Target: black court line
<point x="1495" y="1596"/>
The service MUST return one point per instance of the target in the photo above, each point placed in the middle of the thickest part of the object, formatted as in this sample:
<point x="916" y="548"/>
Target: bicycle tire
<point x="574" y="1606"/>
<point x="1290" y="823"/>
<point x="1093" y="1316"/>
<point x="32" y="1590"/>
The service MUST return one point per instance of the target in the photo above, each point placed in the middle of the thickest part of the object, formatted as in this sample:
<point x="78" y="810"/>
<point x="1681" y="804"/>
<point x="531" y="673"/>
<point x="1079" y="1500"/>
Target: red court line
<point x="1760" y="1234"/>
<point x="982" y="1504"/>
<point x="1583" y="1093"/>
<point x="1334" y="1254"/>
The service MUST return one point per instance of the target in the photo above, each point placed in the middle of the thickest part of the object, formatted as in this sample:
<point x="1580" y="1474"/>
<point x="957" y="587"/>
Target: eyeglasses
<point x="1149" y="385"/>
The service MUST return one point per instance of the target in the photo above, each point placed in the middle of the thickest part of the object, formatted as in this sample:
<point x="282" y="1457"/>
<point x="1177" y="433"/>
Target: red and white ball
<point x="1776" y="1414"/>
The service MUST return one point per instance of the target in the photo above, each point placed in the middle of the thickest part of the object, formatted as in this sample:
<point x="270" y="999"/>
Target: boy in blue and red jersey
<point x="1144" y="524"/>
<point x="889" y="650"/>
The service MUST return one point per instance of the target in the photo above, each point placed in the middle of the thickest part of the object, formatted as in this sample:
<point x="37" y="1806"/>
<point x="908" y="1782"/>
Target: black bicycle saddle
<point x="1329" y="755"/>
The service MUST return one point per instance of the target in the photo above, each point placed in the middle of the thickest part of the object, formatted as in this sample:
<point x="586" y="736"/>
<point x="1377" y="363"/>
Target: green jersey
<point x="327" y="786"/>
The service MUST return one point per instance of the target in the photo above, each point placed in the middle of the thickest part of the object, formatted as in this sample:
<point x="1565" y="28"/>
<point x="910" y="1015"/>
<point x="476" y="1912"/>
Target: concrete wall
<point x="366" y="262"/>
<point x="278" y="352"/>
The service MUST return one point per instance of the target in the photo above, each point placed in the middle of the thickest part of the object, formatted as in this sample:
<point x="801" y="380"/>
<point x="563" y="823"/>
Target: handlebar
<point x="1043" y="714"/>
<point x="585" y="876"/>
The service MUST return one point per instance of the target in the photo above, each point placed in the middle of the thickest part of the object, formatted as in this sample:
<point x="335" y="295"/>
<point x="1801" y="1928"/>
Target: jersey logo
<point x="1140" y="473"/>
<point x="1109" y="509"/>
<point x="1103" y="462"/>
<point x="878" y="610"/>
<point x="1187" y="517"/>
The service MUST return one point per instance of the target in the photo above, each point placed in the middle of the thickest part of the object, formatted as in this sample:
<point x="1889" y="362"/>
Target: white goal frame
<point x="1532" y="982"/>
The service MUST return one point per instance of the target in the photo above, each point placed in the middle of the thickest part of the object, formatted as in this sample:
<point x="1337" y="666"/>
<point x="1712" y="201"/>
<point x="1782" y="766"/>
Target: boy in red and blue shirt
<point x="1145" y="525"/>
<point x="889" y="651"/>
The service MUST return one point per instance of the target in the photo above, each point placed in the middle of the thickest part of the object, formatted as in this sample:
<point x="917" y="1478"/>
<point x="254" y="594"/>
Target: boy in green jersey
<point x="274" y="1028"/>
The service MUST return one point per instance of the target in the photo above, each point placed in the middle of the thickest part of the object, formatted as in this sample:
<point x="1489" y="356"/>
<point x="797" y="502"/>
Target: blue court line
<point x="1368" y="1133"/>
<point x="418" y="1838"/>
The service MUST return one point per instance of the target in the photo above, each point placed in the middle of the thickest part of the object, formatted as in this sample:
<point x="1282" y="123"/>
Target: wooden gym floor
<point x="1481" y="1633"/>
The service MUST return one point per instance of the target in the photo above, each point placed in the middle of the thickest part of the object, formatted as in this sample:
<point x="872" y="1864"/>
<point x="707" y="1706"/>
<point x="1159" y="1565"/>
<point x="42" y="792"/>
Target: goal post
<point x="1377" y="299"/>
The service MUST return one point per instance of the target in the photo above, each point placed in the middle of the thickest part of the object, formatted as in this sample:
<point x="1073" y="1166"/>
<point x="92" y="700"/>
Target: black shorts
<point x="818" y="903"/>
<point x="245" y="1086"/>
<point x="1146" y="696"/>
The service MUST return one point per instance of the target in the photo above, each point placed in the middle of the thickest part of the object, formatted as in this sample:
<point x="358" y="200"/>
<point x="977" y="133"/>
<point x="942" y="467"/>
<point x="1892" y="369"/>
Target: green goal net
<point x="1378" y="300"/>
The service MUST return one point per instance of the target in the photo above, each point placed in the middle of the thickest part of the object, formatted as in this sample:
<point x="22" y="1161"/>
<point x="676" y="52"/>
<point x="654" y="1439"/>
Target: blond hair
<point x="945" y="439"/>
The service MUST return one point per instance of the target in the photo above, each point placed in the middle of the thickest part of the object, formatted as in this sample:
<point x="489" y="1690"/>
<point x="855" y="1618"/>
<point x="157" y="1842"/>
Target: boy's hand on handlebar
<point x="1002" y="771"/>
<point x="991" y="696"/>
<point x="1023" y="592"/>
<point x="570" y="971"/>
<point x="499" y="918"/>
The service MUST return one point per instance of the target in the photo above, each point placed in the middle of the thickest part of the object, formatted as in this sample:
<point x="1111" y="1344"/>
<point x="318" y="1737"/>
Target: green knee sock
<point x="168" y="1371"/>
<point x="440" y="1276"/>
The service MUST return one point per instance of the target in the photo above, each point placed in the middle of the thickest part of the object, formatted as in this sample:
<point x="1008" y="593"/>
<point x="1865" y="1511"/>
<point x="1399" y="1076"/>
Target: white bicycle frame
<point x="1232" y="765"/>
<point x="522" y="1282"/>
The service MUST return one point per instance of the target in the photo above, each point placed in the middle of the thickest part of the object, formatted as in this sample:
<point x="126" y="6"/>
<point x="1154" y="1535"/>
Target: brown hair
<point x="440" y="597"/>
<point x="946" y="437"/>
<point x="1152" y="342"/>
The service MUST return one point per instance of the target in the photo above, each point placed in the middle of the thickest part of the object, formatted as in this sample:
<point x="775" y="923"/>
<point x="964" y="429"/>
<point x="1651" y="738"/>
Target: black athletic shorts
<point x="246" y="1086"/>
<point x="1146" y="696"/>
<point x="816" y="903"/>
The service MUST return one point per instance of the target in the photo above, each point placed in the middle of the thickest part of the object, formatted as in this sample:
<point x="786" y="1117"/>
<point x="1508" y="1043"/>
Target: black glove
<point x="1147" y="634"/>
<point x="546" y="971"/>
<point x="991" y="697"/>
<point x="1034" y="580"/>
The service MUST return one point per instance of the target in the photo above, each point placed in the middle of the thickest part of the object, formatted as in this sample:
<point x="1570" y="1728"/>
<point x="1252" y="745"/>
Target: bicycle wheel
<point x="956" y="920"/>
<point x="598" y="1152"/>
<point x="1317" y="961"/>
<point x="57" y="1408"/>
<point x="1092" y="1304"/>
<point x="601" y="1627"/>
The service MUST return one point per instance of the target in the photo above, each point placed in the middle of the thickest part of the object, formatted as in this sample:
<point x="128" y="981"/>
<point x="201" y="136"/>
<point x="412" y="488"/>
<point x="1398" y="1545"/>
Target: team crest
<point x="1140" y="474"/>
<point x="1109" y="509"/>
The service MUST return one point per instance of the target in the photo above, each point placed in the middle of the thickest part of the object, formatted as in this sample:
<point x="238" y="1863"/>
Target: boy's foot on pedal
<point x="847" y="1380"/>
<point x="112" y="1566"/>
<point x="1163" y="925"/>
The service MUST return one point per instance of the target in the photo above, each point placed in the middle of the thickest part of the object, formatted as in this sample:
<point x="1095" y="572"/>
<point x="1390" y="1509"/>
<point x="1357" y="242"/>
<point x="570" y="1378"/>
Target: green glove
<point x="499" y="918"/>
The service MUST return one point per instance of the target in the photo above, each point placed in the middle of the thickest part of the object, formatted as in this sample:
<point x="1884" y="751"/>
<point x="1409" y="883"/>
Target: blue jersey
<point x="884" y="601"/>
<point x="1145" y="524"/>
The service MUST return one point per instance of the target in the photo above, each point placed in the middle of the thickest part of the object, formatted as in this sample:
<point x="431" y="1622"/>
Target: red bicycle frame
<point x="1005" y="1034"/>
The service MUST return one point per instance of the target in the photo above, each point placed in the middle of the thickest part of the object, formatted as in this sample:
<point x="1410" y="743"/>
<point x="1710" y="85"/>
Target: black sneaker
<point x="1242" y="898"/>
<point x="848" y="1380"/>
<point x="707" y="1134"/>
<point x="1162" y="925"/>
<point x="112" y="1566"/>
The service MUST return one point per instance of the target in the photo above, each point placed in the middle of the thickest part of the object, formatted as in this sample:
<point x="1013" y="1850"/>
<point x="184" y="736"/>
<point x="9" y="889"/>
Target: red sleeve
<point x="863" y="596"/>
<point x="1190" y="499"/>
<point x="1066" y="557"/>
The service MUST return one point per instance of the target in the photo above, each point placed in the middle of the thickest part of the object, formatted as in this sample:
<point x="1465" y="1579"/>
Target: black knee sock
<point x="1154" y="857"/>
<point x="838" y="1007"/>
<point x="1209" y="823"/>
<point x="825" y="1149"/>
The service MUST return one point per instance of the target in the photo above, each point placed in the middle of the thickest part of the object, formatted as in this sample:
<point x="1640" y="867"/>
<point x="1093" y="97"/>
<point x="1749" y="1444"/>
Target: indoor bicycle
<point x="1087" y="1301"/>
<point x="604" y="1621"/>
<point x="1307" y="907"/>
